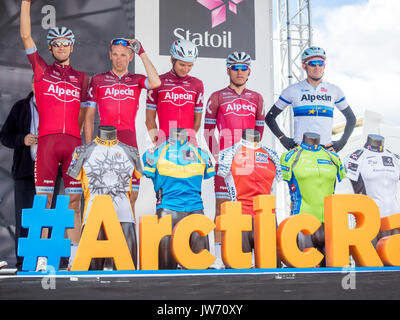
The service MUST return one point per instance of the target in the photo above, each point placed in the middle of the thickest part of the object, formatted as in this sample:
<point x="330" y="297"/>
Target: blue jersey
<point x="177" y="169"/>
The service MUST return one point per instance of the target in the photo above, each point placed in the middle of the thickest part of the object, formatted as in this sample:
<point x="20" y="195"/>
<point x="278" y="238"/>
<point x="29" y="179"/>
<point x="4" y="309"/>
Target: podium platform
<point x="358" y="283"/>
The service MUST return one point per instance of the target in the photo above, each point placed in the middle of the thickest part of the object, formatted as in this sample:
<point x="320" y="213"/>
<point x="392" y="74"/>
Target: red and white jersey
<point x="176" y="101"/>
<point x="232" y="113"/>
<point x="60" y="92"/>
<point x="249" y="170"/>
<point x="117" y="98"/>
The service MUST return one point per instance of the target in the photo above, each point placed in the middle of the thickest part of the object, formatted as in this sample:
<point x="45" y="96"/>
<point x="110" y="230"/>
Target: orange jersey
<point x="249" y="169"/>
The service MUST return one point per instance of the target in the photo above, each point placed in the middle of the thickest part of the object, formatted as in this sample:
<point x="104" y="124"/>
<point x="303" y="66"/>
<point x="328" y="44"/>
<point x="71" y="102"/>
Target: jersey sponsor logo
<point x="178" y="96"/>
<point x="323" y="161"/>
<point x="352" y="166"/>
<point x="240" y="106"/>
<point x="356" y="154"/>
<point x="119" y="93"/>
<point x="261" y="157"/>
<point x="67" y="94"/>
<point x="387" y="161"/>
<point x="313" y="97"/>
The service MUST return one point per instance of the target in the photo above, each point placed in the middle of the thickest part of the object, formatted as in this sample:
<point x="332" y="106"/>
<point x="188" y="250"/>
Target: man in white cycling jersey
<point x="313" y="101"/>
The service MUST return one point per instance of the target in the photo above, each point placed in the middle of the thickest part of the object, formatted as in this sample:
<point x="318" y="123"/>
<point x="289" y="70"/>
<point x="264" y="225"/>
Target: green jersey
<point x="311" y="173"/>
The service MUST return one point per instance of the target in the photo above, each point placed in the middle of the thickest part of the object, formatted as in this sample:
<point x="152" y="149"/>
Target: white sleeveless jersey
<point x="106" y="167"/>
<point x="312" y="108"/>
<point x="376" y="175"/>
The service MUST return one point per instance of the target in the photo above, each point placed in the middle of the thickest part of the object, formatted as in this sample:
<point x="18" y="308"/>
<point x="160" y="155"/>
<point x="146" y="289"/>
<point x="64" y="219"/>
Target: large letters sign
<point x="270" y="242"/>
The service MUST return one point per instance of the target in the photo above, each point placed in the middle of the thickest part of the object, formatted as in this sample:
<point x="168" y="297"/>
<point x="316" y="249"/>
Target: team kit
<point x="109" y="163"/>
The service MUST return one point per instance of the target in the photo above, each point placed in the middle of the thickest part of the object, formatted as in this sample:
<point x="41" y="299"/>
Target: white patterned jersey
<point x="106" y="167"/>
<point x="312" y="108"/>
<point x="376" y="174"/>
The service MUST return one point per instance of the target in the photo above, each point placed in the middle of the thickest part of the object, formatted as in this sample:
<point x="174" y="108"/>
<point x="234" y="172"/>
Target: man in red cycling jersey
<point x="231" y="110"/>
<point x="178" y="102"/>
<point x="116" y="95"/>
<point x="59" y="91"/>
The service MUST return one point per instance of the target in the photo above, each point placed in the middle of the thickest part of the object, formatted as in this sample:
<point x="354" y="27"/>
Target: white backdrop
<point x="212" y="72"/>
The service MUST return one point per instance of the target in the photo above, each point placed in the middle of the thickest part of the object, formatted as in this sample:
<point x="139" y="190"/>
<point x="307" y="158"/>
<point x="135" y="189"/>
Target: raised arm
<point x="25" y="25"/>
<point x="154" y="80"/>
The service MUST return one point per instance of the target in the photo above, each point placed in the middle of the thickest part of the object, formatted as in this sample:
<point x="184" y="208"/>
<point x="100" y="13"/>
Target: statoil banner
<point x="215" y="26"/>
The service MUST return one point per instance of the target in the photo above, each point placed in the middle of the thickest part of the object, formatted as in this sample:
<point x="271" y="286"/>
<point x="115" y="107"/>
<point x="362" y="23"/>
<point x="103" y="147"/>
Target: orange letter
<point x="102" y="213"/>
<point x="339" y="239"/>
<point x="389" y="247"/>
<point x="151" y="231"/>
<point x="232" y="222"/>
<point x="287" y="241"/>
<point x="181" y="242"/>
<point x="265" y="231"/>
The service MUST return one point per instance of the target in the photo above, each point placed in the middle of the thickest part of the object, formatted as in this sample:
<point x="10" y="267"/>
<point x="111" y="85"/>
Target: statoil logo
<point x="216" y="27"/>
<point x="218" y="9"/>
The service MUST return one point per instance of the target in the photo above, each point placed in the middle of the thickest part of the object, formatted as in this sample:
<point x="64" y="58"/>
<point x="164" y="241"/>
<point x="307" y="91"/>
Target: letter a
<point x="102" y="213"/>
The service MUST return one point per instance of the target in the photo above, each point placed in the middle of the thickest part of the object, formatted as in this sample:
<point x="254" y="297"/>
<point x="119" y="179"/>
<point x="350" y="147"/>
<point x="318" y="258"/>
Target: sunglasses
<point x="61" y="43"/>
<point x="118" y="41"/>
<point x="314" y="63"/>
<point x="237" y="67"/>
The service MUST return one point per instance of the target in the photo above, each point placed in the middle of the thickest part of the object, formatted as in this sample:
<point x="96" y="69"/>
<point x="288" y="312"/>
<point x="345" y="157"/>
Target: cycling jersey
<point x="231" y="113"/>
<point x="312" y="108"/>
<point x="177" y="169"/>
<point x="376" y="173"/>
<point x="249" y="169"/>
<point x="311" y="173"/>
<point x="60" y="91"/>
<point x="117" y="98"/>
<point x="176" y="102"/>
<point x="106" y="167"/>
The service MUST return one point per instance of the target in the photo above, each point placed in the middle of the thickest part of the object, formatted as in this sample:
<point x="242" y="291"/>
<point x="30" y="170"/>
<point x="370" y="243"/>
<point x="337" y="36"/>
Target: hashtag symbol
<point x="37" y="218"/>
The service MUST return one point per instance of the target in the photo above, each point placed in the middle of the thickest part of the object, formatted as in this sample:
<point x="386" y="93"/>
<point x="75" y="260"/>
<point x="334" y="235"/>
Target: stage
<point x="380" y="283"/>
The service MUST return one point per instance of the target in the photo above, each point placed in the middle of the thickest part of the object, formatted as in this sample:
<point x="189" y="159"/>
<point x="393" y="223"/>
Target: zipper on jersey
<point x="119" y="100"/>
<point x="65" y="93"/>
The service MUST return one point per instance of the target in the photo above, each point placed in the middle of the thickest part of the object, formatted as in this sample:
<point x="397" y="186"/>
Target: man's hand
<point x="136" y="46"/>
<point x="30" y="139"/>
<point x="287" y="142"/>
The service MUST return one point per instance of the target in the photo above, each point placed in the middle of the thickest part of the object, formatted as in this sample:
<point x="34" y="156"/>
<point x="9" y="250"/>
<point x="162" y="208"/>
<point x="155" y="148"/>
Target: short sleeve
<point x="209" y="170"/>
<point x="144" y="82"/>
<point x="341" y="174"/>
<point x="75" y="167"/>
<point x="275" y="159"/>
<point x="284" y="99"/>
<point x="152" y="99"/>
<point x="198" y="108"/>
<point x="286" y="164"/>
<point x="210" y="118"/>
<point x="84" y="89"/>
<point x="92" y="93"/>
<point x="37" y="62"/>
<point x="150" y="163"/>
<point x="351" y="164"/>
<point x="340" y="99"/>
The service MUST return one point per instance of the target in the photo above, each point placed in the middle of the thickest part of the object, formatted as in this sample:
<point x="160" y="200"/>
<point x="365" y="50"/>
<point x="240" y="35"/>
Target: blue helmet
<point x="63" y="32"/>
<point x="312" y="52"/>
<point x="184" y="50"/>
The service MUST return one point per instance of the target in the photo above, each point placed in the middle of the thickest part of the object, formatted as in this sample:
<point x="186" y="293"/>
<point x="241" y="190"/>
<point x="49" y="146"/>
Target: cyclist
<point x="313" y="101"/>
<point x="116" y="95"/>
<point x="60" y="92"/>
<point x="231" y="110"/>
<point x="178" y="102"/>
